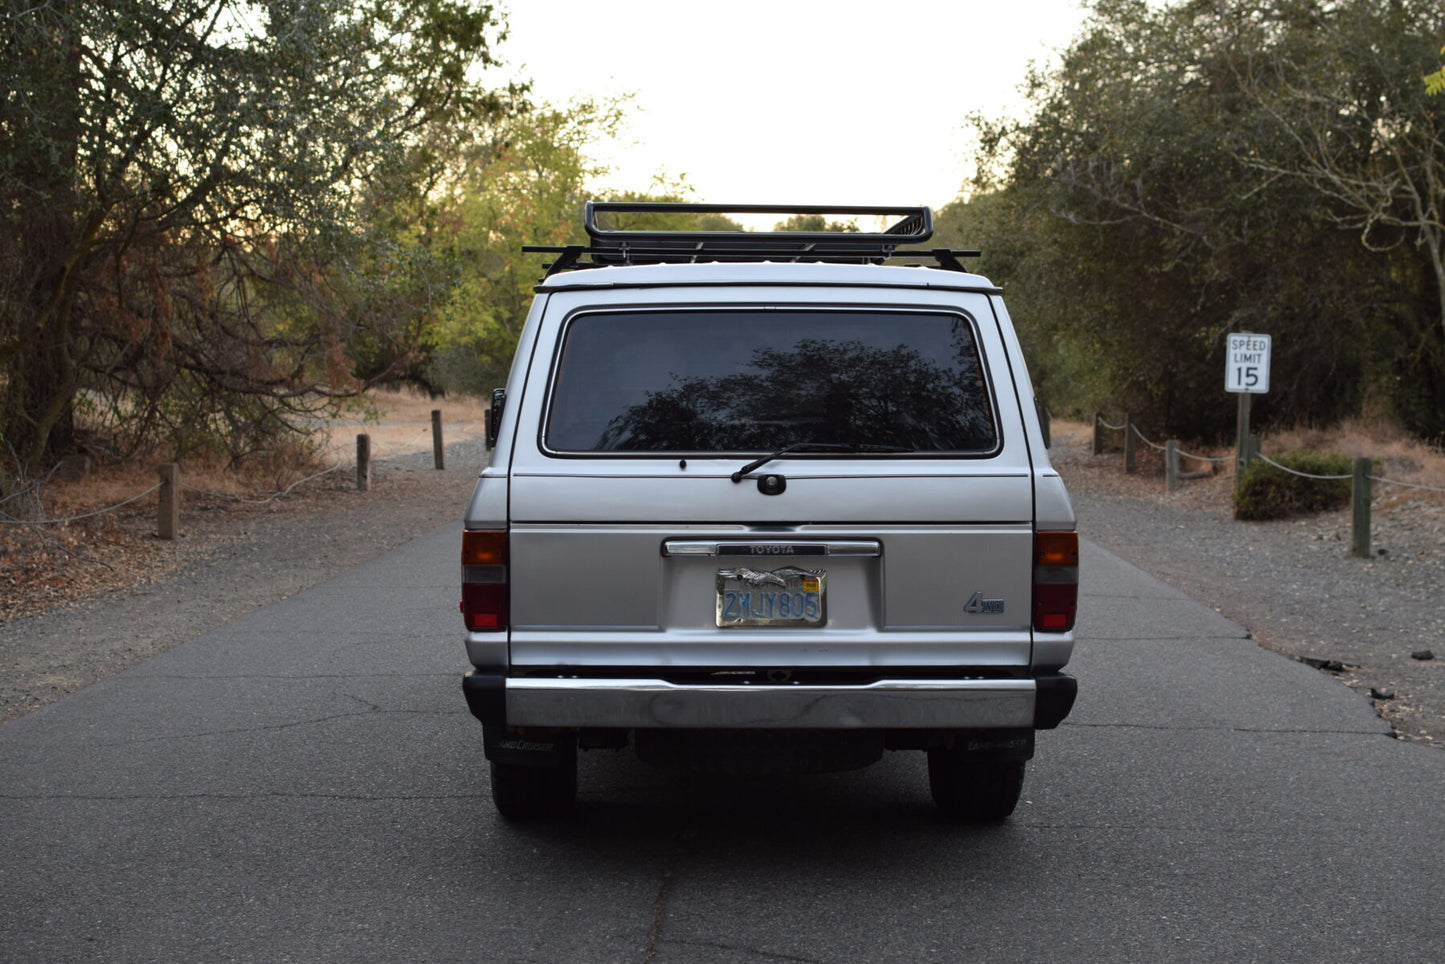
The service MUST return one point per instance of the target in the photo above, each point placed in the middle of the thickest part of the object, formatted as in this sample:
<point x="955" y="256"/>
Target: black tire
<point x="979" y="790"/>
<point x="530" y="792"/>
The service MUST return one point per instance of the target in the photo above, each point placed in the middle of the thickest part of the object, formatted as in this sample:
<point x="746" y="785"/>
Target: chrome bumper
<point x="630" y="703"/>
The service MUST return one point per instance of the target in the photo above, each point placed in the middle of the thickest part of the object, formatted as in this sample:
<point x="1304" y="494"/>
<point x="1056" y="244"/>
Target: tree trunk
<point x="37" y="400"/>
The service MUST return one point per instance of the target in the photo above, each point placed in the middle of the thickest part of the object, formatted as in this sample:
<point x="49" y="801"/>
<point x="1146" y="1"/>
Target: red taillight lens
<point x="484" y="579"/>
<point x="1056" y="581"/>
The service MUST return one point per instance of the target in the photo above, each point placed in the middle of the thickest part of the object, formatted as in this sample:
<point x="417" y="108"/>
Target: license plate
<point x="789" y="596"/>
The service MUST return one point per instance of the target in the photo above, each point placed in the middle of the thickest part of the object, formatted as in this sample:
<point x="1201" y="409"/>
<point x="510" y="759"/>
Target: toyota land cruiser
<point x="767" y="501"/>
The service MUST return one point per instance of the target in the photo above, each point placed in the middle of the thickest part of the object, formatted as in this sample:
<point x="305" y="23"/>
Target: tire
<point x="532" y="792"/>
<point x="976" y="790"/>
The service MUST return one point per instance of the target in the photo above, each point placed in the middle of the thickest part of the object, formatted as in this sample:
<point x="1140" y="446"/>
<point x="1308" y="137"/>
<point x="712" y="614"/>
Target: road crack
<point x="761" y="955"/>
<point x="659" y="905"/>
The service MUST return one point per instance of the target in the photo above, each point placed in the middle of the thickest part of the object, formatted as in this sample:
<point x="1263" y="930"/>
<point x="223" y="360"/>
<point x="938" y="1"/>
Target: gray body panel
<point x="594" y="587"/>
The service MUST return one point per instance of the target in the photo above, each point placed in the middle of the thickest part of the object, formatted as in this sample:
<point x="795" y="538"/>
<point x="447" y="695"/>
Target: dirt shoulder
<point x="232" y="558"/>
<point x="1293" y="584"/>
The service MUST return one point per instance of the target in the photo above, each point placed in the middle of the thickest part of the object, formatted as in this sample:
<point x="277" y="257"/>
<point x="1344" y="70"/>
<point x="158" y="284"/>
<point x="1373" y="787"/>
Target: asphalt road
<point x="305" y="784"/>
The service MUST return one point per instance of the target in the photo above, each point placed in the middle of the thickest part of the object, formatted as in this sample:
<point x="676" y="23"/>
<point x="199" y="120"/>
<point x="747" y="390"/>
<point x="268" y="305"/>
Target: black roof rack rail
<point x="914" y="227"/>
<point x="630" y="246"/>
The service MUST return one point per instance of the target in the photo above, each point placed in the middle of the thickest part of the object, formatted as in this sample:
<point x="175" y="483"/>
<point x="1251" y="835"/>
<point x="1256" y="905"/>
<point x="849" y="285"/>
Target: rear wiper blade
<point x="741" y="473"/>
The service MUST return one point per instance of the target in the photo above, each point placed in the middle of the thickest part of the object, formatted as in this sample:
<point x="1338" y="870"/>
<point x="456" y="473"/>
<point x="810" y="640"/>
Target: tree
<point x="180" y="193"/>
<point x="1359" y="131"/>
<point x="527" y="187"/>
<point x="815" y="222"/>
<point x="1138" y="228"/>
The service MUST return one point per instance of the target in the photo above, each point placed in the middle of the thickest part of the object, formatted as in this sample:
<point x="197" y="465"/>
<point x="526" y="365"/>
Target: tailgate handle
<point x="867" y="548"/>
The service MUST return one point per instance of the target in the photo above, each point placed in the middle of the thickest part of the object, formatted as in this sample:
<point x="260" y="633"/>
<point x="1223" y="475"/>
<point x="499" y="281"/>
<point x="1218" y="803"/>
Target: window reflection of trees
<point x="818" y="391"/>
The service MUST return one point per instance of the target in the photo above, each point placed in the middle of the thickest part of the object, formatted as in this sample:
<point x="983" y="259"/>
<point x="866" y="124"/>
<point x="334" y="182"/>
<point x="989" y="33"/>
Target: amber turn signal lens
<point x="484" y="547"/>
<point x="1056" y="549"/>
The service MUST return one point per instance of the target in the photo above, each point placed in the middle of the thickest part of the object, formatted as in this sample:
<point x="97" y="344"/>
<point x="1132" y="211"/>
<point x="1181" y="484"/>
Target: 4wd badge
<point x="979" y="606"/>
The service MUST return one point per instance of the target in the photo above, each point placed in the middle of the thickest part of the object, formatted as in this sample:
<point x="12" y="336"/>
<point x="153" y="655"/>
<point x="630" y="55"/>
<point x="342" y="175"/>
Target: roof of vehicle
<point x="766" y="273"/>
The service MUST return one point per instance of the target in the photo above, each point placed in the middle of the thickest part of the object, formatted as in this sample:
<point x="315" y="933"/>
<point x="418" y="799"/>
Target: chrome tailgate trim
<point x="866" y="548"/>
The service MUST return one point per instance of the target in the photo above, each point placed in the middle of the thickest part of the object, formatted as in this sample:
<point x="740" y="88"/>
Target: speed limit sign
<point x="1246" y="364"/>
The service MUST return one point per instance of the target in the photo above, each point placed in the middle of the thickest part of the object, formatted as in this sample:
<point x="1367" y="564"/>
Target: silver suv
<point x="767" y="501"/>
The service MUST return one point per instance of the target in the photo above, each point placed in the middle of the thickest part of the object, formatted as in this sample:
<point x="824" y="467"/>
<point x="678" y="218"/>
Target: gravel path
<point x="1293" y="584"/>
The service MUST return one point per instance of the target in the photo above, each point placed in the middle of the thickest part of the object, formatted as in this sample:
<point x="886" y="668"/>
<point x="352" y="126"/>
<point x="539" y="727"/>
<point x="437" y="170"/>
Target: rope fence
<point x="170" y="486"/>
<point x="270" y="498"/>
<point x="1360" y="479"/>
<point x="76" y="518"/>
<point x="1262" y="457"/>
<point x="1408" y="485"/>
<point x="1303" y="475"/>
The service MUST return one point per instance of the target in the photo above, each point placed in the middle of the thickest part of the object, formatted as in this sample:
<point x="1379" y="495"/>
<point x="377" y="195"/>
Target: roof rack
<point x="630" y="246"/>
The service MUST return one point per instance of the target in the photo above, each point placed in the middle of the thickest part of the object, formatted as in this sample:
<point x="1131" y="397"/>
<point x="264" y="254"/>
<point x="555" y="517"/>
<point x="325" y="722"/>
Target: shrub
<point x="1267" y="492"/>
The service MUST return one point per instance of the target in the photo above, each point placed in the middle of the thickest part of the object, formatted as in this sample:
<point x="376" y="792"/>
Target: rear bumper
<point x="890" y="704"/>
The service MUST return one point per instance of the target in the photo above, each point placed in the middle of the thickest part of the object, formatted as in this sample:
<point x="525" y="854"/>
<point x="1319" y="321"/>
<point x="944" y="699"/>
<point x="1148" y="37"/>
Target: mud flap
<point x="1008" y="744"/>
<point x="1054" y="699"/>
<point x="529" y="746"/>
<point x="486" y="697"/>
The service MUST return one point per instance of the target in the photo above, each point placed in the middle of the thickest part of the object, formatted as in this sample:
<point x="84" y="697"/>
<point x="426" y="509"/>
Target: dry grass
<point x="400" y="422"/>
<point x="46" y="566"/>
<point x="1400" y="458"/>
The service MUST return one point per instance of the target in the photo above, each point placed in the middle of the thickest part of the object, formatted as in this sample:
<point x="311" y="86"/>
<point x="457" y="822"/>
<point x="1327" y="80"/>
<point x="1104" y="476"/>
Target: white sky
<point x="790" y="101"/>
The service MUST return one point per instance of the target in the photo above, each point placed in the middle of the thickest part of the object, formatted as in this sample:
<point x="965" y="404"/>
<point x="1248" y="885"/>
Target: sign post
<point x="1246" y="373"/>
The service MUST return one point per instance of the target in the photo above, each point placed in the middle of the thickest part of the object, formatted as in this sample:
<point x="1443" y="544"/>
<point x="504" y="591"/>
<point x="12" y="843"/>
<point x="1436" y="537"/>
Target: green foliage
<point x="1267" y="492"/>
<point x="1435" y="83"/>
<point x="1166" y="190"/>
<point x="662" y="220"/>
<point x="525" y="185"/>
<point x="181" y="195"/>
<point x="815" y="222"/>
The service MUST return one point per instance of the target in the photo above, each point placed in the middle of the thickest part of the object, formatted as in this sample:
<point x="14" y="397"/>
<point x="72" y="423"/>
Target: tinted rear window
<point x="755" y="381"/>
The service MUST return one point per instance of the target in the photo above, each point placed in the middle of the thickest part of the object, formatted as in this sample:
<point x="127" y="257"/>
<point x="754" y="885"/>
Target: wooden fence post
<point x="1171" y="465"/>
<point x="1098" y="433"/>
<point x="363" y="462"/>
<point x="1131" y="448"/>
<point x="168" y="514"/>
<point x="1360" y="509"/>
<point x="438" y="452"/>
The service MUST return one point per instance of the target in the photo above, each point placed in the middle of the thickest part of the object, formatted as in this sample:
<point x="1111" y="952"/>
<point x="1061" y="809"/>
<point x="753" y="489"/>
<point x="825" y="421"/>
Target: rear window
<point x="757" y="380"/>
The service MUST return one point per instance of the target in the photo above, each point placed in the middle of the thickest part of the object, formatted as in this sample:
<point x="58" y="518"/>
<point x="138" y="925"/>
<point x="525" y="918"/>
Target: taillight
<point x="484" y="579"/>
<point x="1056" y="581"/>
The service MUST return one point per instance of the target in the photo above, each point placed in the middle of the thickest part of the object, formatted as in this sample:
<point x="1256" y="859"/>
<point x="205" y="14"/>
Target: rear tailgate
<point x="640" y="560"/>
<point x="632" y="578"/>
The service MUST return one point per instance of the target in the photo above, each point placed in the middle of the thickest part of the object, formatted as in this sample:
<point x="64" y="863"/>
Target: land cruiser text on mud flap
<point x="767" y="501"/>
